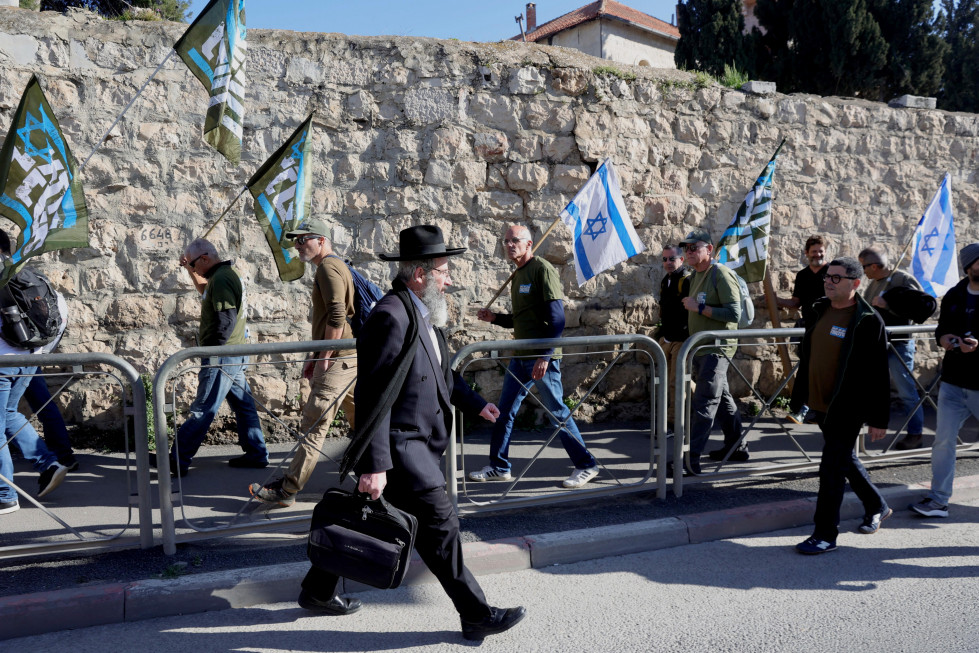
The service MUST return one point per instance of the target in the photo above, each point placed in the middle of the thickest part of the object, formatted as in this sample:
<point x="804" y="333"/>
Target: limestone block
<point x="569" y="179"/>
<point x="526" y="148"/>
<point x="491" y="146"/>
<point x="497" y="204"/>
<point x="569" y="81"/>
<point x="931" y="122"/>
<point x="105" y="278"/>
<point x="732" y="99"/>
<point x="358" y="203"/>
<point x="409" y="171"/>
<point x="450" y="143"/>
<point x="401" y="200"/>
<point x="469" y="174"/>
<point x="348" y="170"/>
<point x="526" y="81"/>
<point x="494" y="111"/>
<point x="496" y="177"/>
<point x="133" y="312"/>
<point x="559" y="148"/>
<point x="686" y="156"/>
<point x="301" y="70"/>
<point x="527" y="176"/>
<point x="548" y="207"/>
<point x="439" y="173"/>
<point x="913" y="102"/>
<point x="792" y="111"/>
<point x="148" y="347"/>
<point x="549" y="118"/>
<point x="490" y="76"/>
<point x="426" y="106"/>
<point x="824" y="114"/>
<point x="18" y="49"/>
<point x="360" y="105"/>
<point x="759" y="88"/>
<point x="853" y="116"/>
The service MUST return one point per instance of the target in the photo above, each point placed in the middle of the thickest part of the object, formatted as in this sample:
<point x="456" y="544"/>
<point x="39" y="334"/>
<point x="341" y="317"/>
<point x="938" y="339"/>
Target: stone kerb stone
<point x="470" y="136"/>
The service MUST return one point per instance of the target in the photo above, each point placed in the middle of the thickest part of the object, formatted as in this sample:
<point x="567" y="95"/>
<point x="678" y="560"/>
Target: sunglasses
<point x="302" y="240"/>
<point x="191" y="263"/>
<point x="671" y="258"/>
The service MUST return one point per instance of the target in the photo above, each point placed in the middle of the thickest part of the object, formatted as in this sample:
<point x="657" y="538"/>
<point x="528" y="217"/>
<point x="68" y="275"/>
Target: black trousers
<point x="839" y="464"/>
<point x="439" y="545"/>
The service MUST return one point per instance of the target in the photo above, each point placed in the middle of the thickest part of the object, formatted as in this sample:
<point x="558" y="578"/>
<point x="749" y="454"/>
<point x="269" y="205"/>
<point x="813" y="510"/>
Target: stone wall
<point x="468" y="136"/>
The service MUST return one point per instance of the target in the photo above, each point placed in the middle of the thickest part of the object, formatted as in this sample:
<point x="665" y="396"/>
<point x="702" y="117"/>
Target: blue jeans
<point x="903" y="382"/>
<point x="955" y="404"/>
<point x="16" y="430"/>
<point x="37" y="395"/>
<point x="712" y="400"/>
<point x="552" y="396"/>
<point x="226" y="380"/>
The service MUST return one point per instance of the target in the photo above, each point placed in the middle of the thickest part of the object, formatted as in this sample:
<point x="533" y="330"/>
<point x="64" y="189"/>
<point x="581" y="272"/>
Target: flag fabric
<point x="282" y="189"/>
<point x="213" y="47"/>
<point x="603" y="232"/>
<point x="933" y="263"/>
<point x="743" y="246"/>
<point x="39" y="186"/>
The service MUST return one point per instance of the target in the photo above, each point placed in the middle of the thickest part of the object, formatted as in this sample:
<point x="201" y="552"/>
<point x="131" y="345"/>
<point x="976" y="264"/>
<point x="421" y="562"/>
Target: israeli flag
<point x="933" y="263"/>
<point x="603" y="232"/>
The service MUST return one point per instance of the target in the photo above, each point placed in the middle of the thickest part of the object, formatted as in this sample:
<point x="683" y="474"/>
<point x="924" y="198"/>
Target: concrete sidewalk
<point x="29" y="614"/>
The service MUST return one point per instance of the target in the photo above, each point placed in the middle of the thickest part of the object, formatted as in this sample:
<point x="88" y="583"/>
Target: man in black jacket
<point x="407" y="424"/>
<point x="843" y="379"/>
<point x="673" y="330"/>
<point x="958" y="326"/>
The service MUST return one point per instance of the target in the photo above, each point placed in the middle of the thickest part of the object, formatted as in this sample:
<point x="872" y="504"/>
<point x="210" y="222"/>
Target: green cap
<point x="696" y="236"/>
<point x="315" y="227"/>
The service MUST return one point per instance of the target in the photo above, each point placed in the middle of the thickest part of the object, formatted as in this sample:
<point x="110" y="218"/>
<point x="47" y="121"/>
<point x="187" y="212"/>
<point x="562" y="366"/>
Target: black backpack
<point x="366" y="294"/>
<point x="29" y="306"/>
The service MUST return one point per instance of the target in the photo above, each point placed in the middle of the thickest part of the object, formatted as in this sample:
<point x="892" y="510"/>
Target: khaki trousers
<point x="318" y="414"/>
<point x="672" y="350"/>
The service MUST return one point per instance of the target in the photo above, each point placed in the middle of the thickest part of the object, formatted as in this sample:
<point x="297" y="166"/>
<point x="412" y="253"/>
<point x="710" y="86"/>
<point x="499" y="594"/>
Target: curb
<point x="34" y="614"/>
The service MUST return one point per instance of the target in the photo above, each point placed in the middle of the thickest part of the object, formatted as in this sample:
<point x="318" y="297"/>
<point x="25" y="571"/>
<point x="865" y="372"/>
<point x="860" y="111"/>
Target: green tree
<point x="917" y="51"/>
<point x="711" y="35"/>
<point x="176" y="10"/>
<point x="960" y="88"/>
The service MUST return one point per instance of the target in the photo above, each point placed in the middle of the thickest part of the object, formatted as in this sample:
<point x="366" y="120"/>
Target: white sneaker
<point x="489" y="473"/>
<point x="581" y="476"/>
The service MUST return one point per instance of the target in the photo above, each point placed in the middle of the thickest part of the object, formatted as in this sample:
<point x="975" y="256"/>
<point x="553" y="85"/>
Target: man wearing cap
<point x="538" y="312"/>
<point x="900" y="356"/>
<point x="713" y="304"/>
<point x="674" y="325"/>
<point x="222" y="323"/>
<point x="331" y="374"/>
<point x="404" y="398"/>
<point x="958" y="397"/>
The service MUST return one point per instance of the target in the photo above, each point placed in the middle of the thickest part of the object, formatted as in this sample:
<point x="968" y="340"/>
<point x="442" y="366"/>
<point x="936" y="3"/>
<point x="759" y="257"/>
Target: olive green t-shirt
<point x="723" y="297"/>
<point x="224" y="291"/>
<point x="332" y="284"/>
<point x="533" y="286"/>
<point x="824" y="354"/>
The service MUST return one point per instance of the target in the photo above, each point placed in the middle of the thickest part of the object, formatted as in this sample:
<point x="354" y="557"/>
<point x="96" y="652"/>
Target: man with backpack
<point x="713" y="304"/>
<point x="332" y="374"/>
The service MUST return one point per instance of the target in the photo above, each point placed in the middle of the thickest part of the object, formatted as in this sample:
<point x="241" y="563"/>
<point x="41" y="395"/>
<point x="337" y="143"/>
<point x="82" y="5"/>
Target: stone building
<point x="608" y="30"/>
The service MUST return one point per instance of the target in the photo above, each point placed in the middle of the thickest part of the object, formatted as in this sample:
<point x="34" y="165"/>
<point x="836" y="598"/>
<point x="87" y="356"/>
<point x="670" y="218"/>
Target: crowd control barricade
<point x="798" y="447"/>
<point x="627" y="456"/>
<point x="224" y="506"/>
<point x="93" y="508"/>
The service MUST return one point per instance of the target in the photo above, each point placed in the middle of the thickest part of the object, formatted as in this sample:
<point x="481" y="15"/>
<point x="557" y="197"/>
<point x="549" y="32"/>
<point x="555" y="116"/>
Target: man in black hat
<point x="404" y="410"/>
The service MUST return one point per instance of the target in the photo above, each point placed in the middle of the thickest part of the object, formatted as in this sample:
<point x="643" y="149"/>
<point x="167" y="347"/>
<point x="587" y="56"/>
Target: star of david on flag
<point x="603" y="232"/>
<point x="933" y="263"/>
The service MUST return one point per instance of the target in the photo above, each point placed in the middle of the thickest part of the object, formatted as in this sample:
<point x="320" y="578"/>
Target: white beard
<point x="437" y="305"/>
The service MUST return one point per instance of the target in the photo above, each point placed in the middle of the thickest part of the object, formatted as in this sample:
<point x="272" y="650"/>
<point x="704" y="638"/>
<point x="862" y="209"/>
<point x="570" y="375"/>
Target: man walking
<point x="673" y="329"/>
<point x="842" y="378"/>
<point x="404" y="396"/>
<point x="713" y="304"/>
<point x="958" y="326"/>
<point x="538" y="312"/>
<point x="808" y="281"/>
<point x="222" y="323"/>
<point x="900" y="360"/>
<point x="332" y="374"/>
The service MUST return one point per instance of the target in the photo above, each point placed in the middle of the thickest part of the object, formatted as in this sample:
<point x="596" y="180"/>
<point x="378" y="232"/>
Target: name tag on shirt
<point x="524" y="289"/>
<point x="838" y="332"/>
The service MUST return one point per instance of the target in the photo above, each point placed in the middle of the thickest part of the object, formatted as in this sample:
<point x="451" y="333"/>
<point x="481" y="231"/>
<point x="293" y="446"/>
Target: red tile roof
<point x="601" y="9"/>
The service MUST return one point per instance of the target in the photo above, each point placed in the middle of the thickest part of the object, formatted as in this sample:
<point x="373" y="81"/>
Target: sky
<point x="466" y="20"/>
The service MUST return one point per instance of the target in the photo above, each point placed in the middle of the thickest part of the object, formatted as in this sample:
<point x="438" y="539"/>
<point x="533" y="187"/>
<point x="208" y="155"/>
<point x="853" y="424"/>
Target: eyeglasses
<point x="512" y="241"/>
<point x="868" y="265"/>
<point x="191" y="263"/>
<point x="302" y="240"/>
<point x="442" y="271"/>
<point x="671" y="258"/>
<point x="836" y="278"/>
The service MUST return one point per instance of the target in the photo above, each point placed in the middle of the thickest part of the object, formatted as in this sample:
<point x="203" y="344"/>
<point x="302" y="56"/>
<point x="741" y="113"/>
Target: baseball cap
<point x="696" y="236"/>
<point x="314" y="226"/>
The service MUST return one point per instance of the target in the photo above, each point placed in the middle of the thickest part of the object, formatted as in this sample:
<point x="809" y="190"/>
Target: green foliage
<point x="176" y="570"/>
<point x="752" y="408"/>
<point x="782" y="402"/>
<point x="338" y="419"/>
<point x="150" y="424"/>
<point x="33" y="5"/>
<point x="703" y="80"/>
<point x="732" y="77"/>
<point x="711" y="35"/>
<point x="960" y="90"/>
<point x="176" y="10"/>
<point x="613" y="72"/>
<point x="571" y="402"/>
<point x="916" y="59"/>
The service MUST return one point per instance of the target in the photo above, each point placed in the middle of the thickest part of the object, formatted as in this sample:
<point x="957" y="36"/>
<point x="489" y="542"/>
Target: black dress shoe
<point x="335" y="606"/>
<point x="737" y="456"/>
<point x="500" y="620"/>
<point x="244" y="462"/>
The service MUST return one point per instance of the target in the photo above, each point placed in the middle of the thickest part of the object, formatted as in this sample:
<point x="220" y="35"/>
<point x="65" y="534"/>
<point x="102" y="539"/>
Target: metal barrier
<point x="616" y="346"/>
<point x="772" y="338"/>
<point x="237" y="523"/>
<point x="26" y="525"/>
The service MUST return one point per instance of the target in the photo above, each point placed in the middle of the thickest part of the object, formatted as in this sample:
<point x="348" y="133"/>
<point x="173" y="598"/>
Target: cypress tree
<point x="917" y="51"/>
<point x="711" y="35"/>
<point x="960" y="88"/>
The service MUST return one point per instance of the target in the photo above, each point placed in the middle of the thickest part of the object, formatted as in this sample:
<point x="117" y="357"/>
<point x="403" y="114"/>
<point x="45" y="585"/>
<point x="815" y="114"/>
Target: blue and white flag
<point x="603" y="232"/>
<point x="933" y="263"/>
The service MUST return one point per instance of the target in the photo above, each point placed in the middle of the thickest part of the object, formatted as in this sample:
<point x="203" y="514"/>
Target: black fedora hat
<point x="421" y="243"/>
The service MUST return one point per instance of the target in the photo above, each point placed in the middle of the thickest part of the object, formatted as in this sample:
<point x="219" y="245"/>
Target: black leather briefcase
<point x="364" y="540"/>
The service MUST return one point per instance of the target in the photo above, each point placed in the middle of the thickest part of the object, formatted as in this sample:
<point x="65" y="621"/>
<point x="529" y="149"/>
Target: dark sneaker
<point x="871" y="523"/>
<point x="70" y="462"/>
<point x="50" y="479"/>
<point x="812" y="546"/>
<point x="929" y="508"/>
<point x="337" y="606"/>
<point x="272" y="493"/>
<point x="9" y="506"/>
<point x="244" y="462"/>
<point x="909" y="441"/>
<point x="500" y="620"/>
<point x="737" y="456"/>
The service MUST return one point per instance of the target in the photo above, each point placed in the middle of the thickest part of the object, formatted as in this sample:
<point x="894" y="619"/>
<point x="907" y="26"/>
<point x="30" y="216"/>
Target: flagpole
<point x="138" y="93"/>
<point x="221" y="217"/>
